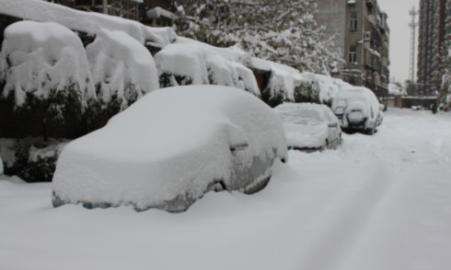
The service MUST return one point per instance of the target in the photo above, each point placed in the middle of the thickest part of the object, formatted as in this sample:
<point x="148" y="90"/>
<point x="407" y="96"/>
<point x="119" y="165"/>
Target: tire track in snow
<point x="334" y="239"/>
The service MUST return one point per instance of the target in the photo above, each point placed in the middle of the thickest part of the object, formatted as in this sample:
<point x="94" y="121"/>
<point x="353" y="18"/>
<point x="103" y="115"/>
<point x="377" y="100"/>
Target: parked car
<point x="310" y="126"/>
<point x="358" y="109"/>
<point x="171" y="147"/>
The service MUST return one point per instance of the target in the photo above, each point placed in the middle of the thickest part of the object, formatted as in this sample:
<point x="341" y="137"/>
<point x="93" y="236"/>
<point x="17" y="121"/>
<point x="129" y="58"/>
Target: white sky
<point x="398" y="13"/>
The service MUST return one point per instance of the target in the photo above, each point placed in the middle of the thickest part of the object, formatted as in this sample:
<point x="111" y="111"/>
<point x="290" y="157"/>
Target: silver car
<point x="310" y="126"/>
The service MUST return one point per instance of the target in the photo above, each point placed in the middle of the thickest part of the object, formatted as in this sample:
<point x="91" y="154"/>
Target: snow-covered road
<point x="378" y="202"/>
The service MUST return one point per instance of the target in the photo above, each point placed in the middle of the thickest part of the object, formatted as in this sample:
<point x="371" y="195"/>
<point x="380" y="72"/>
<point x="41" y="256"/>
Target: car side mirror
<point x="333" y="125"/>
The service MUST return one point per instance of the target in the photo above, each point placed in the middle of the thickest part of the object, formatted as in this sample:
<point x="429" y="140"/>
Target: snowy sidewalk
<point x="381" y="202"/>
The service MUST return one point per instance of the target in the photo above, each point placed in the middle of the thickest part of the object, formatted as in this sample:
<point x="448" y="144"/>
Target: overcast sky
<point x="398" y="13"/>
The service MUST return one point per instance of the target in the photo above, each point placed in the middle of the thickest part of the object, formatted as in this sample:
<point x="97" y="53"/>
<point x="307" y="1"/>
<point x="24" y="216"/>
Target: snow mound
<point x="292" y="85"/>
<point x="325" y="87"/>
<point x="121" y="67"/>
<point x="87" y="22"/>
<point x="169" y="148"/>
<point x="40" y="58"/>
<point x="283" y="80"/>
<point x="192" y="62"/>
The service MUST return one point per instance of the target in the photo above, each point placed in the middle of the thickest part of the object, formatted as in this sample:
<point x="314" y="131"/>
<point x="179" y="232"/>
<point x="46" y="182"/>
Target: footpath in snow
<point x="378" y="202"/>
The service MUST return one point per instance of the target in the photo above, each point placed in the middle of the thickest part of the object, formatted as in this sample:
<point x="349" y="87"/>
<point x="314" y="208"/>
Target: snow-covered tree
<point x="281" y="31"/>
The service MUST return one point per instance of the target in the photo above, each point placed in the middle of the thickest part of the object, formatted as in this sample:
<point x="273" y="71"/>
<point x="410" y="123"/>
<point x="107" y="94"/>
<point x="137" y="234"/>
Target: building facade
<point x="362" y="35"/>
<point x="434" y="44"/>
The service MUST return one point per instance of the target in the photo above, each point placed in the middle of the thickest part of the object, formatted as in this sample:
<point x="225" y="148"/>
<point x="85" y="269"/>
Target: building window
<point x="353" y="22"/>
<point x="352" y="58"/>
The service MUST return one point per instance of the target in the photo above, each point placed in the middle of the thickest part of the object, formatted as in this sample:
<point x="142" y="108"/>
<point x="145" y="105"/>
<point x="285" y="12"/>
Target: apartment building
<point x="362" y="35"/>
<point x="434" y="44"/>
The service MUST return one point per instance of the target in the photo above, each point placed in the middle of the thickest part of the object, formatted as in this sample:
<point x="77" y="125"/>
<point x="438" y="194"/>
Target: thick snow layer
<point x="307" y="125"/>
<point x="378" y="202"/>
<point x="88" y="22"/>
<point x="204" y="64"/>
<point x="167" y="148"/>
<point x="356" y="104"/>
<point x="121" y="66"/>
<point x="284" y="79"/>
<point x="326" y="86"/>
<point x="40" y="57"/>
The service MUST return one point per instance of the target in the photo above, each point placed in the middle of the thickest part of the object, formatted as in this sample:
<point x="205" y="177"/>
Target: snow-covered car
<point x="309" y="126"/>
<point x="358" y="109"/>
<point x="170" y="148"/>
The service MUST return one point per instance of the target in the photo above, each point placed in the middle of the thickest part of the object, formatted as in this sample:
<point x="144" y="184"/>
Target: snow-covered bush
<point x="171" y="147"/>
<point x="190" y="62"/>
<point x="87" y="22"/>
<point x="281" y="31"/>
<point x="46" y="78"/>
<point x="121" y="67"/>
<point x="320" y="88"/>
<point x="282" y="81"/>
<point x="32" y="159"/>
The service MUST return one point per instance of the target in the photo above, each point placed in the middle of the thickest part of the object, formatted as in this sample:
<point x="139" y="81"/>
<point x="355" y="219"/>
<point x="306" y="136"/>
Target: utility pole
<point x="413" y="42"/>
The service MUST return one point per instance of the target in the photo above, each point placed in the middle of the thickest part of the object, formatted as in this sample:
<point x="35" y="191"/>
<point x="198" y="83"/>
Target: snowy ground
<point x="381" y="202"/>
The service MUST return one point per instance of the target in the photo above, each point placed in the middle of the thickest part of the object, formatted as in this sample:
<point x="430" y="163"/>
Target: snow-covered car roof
<point x="171" y="143"/>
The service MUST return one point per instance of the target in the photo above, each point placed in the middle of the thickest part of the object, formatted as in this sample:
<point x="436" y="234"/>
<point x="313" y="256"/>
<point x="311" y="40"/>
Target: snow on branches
<point x="280" y="31"/>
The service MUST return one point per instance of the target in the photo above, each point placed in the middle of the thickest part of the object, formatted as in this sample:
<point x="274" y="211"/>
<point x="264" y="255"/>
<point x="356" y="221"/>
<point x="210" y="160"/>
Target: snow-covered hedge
<point x="46" y="78"/>
<point x="171" y="147"/>
<point x="121" y="67"/>
<point x="32" y="159"/>
<point x="87" y="22"/>
<point x="322" y="88"/>
<point x="191" y="62"/>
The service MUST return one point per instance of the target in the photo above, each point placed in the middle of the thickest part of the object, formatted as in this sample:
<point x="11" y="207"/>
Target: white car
<point x="358" y="109"/>
<point x="170" y="148"/>
<point x="310" y="126"/>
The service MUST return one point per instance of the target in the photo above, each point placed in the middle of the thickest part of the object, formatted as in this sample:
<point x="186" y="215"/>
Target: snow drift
<point x="41" y="59"/>
<point x="171" y="147"/>
<point x="121" y="67"/>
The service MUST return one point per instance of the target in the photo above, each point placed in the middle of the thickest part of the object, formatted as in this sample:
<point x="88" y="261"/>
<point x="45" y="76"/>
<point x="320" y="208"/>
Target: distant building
<point x="434" y="44"/>
<point x="361" y="34"/>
